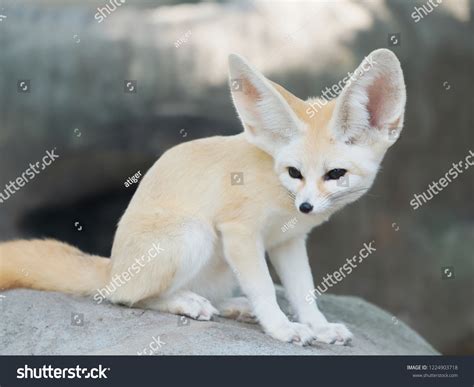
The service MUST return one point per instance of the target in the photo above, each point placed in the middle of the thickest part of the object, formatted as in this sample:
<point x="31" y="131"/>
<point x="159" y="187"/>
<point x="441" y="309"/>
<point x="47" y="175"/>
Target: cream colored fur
<point x="214" y="234"/>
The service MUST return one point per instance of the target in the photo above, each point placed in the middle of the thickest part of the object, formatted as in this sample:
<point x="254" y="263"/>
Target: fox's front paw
<point x="290" y="332"/>
<point x="332" y="333"/>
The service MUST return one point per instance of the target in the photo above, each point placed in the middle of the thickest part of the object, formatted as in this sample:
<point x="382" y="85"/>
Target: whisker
<point x="334" y="197"/>
<point x="338" y="196"/>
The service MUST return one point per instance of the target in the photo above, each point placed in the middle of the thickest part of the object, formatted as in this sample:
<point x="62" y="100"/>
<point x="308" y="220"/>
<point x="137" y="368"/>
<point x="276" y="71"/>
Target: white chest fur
<point x="282" y="227"/>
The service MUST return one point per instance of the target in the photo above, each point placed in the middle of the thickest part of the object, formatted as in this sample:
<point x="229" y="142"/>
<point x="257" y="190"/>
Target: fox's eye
<point x="335" y="174"/>
<point x="294" y="173"/>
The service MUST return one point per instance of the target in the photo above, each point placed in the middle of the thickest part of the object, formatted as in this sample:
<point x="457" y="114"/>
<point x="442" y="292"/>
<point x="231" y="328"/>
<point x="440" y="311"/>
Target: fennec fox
<point x="208" y="210"/>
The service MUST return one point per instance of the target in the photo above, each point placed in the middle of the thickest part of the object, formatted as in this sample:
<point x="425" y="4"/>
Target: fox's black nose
<point x="306" y="207"/>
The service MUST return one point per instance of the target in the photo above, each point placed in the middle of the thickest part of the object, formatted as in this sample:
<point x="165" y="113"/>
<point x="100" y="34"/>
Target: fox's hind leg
<point x="159" y="279"/>
<point x="237" y="308"/>
<point x="183" y="302"/>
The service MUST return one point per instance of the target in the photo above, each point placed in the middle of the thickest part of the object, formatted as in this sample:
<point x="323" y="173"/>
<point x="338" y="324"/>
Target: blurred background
<point x="112" y="84"/>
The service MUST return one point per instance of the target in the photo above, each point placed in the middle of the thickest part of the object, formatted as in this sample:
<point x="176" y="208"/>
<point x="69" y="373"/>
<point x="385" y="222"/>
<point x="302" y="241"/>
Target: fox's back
<point x="215" y="176"/>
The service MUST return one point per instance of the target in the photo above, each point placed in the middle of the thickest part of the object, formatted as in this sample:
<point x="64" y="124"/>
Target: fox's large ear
<point x="268" y="120"/>
<point x="372" y="104"/>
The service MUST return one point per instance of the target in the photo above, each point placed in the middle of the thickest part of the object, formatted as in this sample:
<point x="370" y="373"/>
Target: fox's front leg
<point x="246" y="255"/>
<point x="291" y="263"/>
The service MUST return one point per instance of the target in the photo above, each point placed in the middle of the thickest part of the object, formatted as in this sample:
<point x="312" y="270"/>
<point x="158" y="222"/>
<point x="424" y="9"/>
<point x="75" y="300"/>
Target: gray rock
<point x="44" y="323"/>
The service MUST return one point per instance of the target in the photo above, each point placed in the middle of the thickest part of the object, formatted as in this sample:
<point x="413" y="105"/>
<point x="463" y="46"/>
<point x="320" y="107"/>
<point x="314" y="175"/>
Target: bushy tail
<point x="51" y="265"/>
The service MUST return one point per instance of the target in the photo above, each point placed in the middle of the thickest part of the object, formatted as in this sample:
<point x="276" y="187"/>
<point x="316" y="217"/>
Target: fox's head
<point x="326" y="152"/>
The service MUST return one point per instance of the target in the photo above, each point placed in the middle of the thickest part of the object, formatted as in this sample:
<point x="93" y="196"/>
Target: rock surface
<point x="43" y="323"/>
